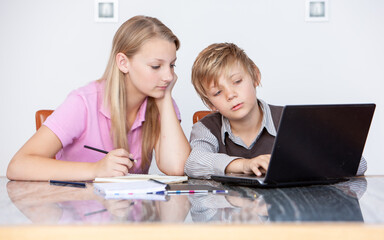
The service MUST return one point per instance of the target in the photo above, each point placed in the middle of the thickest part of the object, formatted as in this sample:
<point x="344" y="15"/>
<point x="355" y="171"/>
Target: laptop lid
<point x="315" y="144"/>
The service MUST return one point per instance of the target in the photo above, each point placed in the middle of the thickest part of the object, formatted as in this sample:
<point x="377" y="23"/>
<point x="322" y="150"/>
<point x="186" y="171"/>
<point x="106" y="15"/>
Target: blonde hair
<point x="129" y="38"/>
<point x="216" y="60"/>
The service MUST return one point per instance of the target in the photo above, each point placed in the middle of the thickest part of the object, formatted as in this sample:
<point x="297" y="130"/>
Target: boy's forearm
<point x="236" y="166"/>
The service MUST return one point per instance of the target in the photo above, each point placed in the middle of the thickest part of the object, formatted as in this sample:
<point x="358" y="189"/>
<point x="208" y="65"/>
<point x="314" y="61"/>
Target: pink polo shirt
<point x="83" y="120"/>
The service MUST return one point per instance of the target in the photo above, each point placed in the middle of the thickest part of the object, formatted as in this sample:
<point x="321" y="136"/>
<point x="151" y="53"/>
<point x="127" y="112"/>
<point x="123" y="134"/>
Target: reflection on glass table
<point x="44" y="203"/>
<point x="338" y="202"/>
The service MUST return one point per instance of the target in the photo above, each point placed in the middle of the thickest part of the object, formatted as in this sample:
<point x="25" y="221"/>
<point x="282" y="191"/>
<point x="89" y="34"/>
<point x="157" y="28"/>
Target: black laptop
<point x="315" y="144"/>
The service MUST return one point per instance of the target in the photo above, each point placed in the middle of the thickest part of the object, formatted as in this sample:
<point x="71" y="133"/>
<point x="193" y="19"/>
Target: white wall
<point x="48" y="48"/>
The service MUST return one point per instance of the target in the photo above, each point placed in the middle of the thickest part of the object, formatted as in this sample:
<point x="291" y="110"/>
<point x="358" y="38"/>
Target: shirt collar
<point x="266" y="123"/>
<point x="103" y="109"/>
<point x="140" y="118"/>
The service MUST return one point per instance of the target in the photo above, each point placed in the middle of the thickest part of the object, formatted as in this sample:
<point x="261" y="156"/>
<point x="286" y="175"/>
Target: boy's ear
<point x="122" y="62"/>
<point x="213" y="108"/>
<point x="256" y="82"/>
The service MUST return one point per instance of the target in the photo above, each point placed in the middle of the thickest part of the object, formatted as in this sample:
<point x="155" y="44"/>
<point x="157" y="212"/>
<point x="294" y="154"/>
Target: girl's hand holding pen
<point x="116" y="163"/>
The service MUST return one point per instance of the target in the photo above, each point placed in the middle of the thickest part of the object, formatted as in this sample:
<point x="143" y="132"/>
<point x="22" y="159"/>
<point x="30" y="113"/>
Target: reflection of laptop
<point x="315" y="144"/>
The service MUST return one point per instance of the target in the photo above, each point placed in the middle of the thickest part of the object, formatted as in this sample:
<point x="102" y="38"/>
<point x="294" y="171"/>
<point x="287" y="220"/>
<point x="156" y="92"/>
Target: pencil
<point x="103" y="151"/>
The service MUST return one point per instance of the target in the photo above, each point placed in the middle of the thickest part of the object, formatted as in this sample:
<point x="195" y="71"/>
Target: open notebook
<point x="140" y="177"/>
<point x="128" y="188"/>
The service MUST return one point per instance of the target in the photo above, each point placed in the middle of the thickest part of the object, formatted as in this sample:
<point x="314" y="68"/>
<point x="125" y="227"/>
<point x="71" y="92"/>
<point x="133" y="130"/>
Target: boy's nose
<point x="231" y="95"/>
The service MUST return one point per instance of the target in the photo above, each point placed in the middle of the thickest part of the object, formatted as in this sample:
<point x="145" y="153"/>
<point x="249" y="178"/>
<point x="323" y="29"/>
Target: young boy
<point x="239" y="137"/>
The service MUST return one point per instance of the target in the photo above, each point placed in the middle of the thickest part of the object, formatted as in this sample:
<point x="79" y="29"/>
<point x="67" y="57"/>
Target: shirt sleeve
<point x="69" y="120"/>
<point x="204" y="159"/>
<point x="177" y="111"/>
<point x="205" y="207"/>
<point x="362" y="167"/>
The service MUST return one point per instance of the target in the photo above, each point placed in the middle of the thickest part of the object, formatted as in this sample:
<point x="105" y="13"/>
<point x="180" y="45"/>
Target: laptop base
<point x="255" y="182"/>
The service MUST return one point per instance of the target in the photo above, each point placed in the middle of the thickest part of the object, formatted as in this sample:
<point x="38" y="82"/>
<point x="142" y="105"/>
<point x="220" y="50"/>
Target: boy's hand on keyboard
<point x="257" y="165"/>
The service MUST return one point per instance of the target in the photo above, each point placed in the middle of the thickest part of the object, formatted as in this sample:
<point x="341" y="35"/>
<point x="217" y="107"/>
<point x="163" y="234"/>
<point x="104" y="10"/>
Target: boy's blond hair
<point x="214" y="61"/>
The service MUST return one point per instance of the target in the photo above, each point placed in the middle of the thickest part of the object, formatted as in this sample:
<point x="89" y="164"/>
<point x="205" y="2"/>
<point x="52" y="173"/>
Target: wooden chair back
<point x="41" y="116"/>
<point x="199" y="115"/>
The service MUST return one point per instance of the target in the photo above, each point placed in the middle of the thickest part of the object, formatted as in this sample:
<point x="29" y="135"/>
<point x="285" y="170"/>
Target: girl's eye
<point x="217" y="93"/>
<point x="173" y="65"/>
<point x="155" y="67"/>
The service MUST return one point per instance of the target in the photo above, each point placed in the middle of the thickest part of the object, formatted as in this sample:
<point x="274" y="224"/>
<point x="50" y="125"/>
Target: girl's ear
<point x="122" y="62"/>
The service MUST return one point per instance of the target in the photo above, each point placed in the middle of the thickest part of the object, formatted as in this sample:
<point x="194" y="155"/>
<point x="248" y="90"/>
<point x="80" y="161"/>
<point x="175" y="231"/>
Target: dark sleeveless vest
<point x="262" y="146"/>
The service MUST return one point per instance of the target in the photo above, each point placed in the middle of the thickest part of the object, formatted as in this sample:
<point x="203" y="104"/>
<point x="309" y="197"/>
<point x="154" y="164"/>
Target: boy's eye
<point x="173" y="65"/>
<point x="155" y="67"/>
<point x="238" y="81"/>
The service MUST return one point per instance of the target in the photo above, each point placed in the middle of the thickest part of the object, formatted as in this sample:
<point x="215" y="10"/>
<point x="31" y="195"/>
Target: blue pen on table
<point x="187" y="192"/>
<point x="68" y="184"/>
<point x="181" y="192"/>
<point x="103" y="151"/>
<point x="219" y="191"/>
<point x="196" y="191"/>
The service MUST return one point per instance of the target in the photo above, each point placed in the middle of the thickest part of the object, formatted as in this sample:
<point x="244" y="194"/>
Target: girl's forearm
<point x="37" y="168"/>
<point x="173" y="148"/>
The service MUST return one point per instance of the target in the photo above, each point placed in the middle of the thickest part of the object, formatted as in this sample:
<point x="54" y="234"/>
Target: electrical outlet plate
<point x="316" y="10"/>
<point x="106" y="10"/>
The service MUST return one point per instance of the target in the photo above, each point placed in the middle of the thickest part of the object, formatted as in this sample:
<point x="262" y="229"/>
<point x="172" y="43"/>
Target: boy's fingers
<point x="265" y="161"/>
<point x="256" y="170"/>
<point x="264" y="165"/>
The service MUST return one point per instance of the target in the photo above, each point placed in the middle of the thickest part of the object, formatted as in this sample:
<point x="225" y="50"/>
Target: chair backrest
<point x="40" y="117"/>
<point x="199" y="115"/>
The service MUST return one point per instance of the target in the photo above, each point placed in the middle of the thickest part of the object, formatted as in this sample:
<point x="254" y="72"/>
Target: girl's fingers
<point x="120" y="152"/>
<point x="121" y="168"/>
<point x="124" y="161"/>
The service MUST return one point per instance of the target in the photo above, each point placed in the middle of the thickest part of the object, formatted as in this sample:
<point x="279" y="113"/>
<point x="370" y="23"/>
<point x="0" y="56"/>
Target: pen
<point x="159" y="182"/>
<point x="67" y="184"/>
<point x="99" y="211"/>
<point x="104" y="210"/>
<point x="220" y="191"/>
<point x="186" y="191"/>
<point x="103" y="151"/>
<point x="191" y="192"/>
<point x="179" y="192"/>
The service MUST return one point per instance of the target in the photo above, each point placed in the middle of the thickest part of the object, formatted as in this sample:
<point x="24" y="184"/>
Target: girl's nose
<point x="168" y="75"/>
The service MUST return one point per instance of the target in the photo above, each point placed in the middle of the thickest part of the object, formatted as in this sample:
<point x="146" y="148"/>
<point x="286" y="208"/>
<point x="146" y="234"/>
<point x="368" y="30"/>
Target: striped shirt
<point x="205" y="160"/>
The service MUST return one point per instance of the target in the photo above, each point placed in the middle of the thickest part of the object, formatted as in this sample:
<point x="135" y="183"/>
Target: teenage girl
<point x="129" y="113"/>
